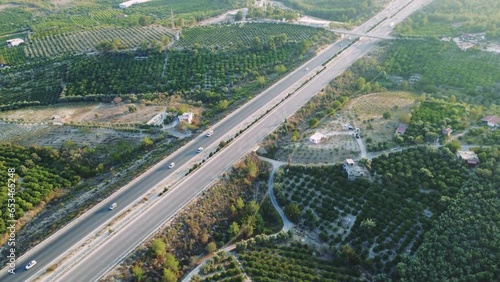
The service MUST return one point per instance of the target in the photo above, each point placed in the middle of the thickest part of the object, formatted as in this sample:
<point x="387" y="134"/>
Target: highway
<point x="123" y="241"/>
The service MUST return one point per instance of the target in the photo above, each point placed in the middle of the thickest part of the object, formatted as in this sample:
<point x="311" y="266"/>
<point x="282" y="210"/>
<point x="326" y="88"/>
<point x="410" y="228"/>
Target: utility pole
<point x="172" y="18"/>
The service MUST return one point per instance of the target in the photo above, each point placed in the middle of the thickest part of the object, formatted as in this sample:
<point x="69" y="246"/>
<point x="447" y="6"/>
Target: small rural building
<point x="401" y="128"/>
<point x="353" y="170"/>
<point x="447" y="131"/>
<point x="14" y="42"/>
<point x="131" y="2"/>
<point x="317" y="137"/>
<point x="469" y="157"/>
<point x="491" y="121"/>
<point x="186" y="117"/>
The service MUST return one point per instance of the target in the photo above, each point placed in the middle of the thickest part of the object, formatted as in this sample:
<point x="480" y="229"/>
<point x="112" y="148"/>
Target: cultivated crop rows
<point x="293" y="263"/>
<point x="87" y="40"/>
<point x="413" y="182"/>
<point x="228" y="35"/>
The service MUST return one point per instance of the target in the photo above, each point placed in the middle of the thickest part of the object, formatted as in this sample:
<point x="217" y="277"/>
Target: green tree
<point x="240" y="204"/>
<point x="252" y="169"/>
<point x="292" y="211"/>
<point x="280" y="69"/>
<point x="368" y="223"/>
<point x="116" y="44"/>
<point x="223" y="104"/>
<point x="454" y="146"/>
<point x="211" y="247"/>
<point x="386" y="115"/>
<point x="261" y="80"/>
<point x="158" y="247"/>
<point x="169" y="275"/>
<point x="405" y="118"/>
<point x="313" y="122"/>
<point x="145" y="20"/>
<point x="147" y="142"/>
<point x="256" y="44"/>
<point x="238" y="16"/>
<point x="171" y="263"/>
<point x="138" y="272"/>
<point x="234" y="229"/>
<point x="360" y="83"/>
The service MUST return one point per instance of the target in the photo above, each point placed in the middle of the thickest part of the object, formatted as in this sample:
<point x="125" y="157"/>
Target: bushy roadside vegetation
<point x="451" y="17"/>
<point x="226" y="212"/>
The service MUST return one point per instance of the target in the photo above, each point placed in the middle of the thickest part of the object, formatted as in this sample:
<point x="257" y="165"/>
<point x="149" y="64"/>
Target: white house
<point x="186" y="117"/>
<point x="14" y="42"/>
<point x="317" y="137"/>
<point x="131" y="2"/>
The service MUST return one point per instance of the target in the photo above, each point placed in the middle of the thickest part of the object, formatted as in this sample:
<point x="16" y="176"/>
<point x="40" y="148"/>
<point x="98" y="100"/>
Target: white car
<point x="113" y="206"/>
<point x="200" y="150"/>
<point x="171" y="165"/>
<point x="31" y="264"/>
<point x="210" y="133"/>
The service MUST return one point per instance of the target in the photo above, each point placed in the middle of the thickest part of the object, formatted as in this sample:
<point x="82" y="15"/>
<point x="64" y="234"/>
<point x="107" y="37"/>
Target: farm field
<point x="198" y="75"/>
<point x="368" y="110"/>
<point x="337" y="212"/>
<point x="337" y="10"/>
<point x="243" y="34"/>
<point x="60" y="17"/>
<point x="86" y="41"/>
<point x="334" y="149"/>
<point x="452" y="17"/>
<point x="444" y="65"/>
<point x="293" y="262"/>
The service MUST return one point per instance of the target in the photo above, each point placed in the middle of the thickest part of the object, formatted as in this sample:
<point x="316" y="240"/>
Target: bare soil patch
<point x="98" y="113"/>
<point x="368" y="113"/>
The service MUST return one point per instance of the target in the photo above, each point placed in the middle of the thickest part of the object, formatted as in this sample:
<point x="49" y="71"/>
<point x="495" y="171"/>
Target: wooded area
<point x="42" y="171"/>
<point x="452" y="17"/>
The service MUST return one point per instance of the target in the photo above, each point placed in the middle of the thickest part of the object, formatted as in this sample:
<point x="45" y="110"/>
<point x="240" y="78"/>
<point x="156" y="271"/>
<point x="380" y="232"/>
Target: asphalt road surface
<point x="123" y="241"/>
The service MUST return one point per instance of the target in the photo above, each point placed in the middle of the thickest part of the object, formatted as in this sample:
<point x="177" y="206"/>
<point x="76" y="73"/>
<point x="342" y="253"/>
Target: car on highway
<point x="199" y="150"/>
<point x="171" y="165"/>
<point x="113" y="206"/>
<point x="210" y="133"/>
<point x="31" y="264"/>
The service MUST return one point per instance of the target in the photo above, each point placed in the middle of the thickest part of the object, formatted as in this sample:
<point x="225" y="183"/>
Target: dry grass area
<point x="335" y="148"/>
<point x="374" y="105"/>
<point x="98" y="113"/>
<point x="55" y="136"/>
<point x="368" y="111"/>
